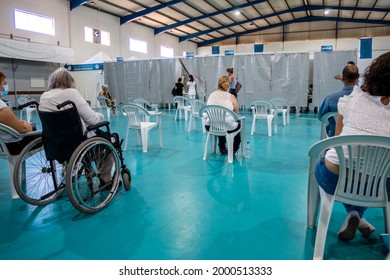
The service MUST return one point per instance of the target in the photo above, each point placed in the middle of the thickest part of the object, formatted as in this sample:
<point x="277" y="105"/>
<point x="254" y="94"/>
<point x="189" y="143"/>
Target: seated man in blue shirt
<point x="349" y="77"/>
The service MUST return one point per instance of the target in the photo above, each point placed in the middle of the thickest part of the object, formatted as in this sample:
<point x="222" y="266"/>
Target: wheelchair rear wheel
<point x="37" y="181"/>
<point x="92" y="175"/>
<point x="126" y="178"/>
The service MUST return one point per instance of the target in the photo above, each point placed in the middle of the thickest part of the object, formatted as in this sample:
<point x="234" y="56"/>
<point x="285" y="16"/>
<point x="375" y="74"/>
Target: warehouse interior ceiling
<point x="212" y="22"/>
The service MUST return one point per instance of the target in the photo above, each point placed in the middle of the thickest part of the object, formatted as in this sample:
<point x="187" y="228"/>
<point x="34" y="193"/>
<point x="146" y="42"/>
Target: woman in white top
<point x="365" y="111"/>
<point x="191" y="87"/>
<point x="62" y="88"/>
<point x="222" y="97"/>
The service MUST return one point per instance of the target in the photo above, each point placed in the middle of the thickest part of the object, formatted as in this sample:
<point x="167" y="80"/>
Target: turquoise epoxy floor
<point x="184" y="208"/>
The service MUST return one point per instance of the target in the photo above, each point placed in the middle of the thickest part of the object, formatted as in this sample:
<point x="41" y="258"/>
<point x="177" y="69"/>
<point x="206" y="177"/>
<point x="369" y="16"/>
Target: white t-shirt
<point x="222" y="98"/>
<point x="50" y="99"/>
<point x="191" y="88"/>
<point x="363" y="114"/>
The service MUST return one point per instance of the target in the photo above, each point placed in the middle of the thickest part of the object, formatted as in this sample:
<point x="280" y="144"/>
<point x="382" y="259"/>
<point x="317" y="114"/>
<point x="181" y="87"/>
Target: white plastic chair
<point x="23" y="99"/>
<point x="5" y="154"/>
<point x="264" y="110"/>
<point x="181" y="107"/>
<point x="325" y="122"/>
<point x="103" y="103"/>
<point x="217" y="121"/>
<point x="365" y="161"/>
<point x="146" y="104"/>
<point x="195" y="105"/>
<point x="283" y="106"/>
<point x="134" y="115"/>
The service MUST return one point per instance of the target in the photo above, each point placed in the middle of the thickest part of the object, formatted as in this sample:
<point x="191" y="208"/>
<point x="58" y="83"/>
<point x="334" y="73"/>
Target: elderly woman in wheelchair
<point x="74" y="152"/>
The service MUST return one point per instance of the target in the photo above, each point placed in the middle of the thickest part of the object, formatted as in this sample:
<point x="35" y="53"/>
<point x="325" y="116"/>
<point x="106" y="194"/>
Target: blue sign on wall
<point x="190" y="54"/>
<point x="365" y="48"/>
<point x="84" y="67"/>
<point x="229" y="52"/>
<point x="258" y="48"/>
<point x="326" y="48"/>
<point x="119" y="58"/>
<point x="215" y="50"/>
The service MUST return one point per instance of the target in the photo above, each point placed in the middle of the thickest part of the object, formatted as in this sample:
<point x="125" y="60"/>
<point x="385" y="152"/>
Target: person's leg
<point x="222" y="145"/>
<point x="328" y="182"/>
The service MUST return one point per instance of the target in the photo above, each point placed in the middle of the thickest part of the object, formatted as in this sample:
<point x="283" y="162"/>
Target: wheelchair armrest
<point x="98" y="125"/>
<point x="27" y="104"/>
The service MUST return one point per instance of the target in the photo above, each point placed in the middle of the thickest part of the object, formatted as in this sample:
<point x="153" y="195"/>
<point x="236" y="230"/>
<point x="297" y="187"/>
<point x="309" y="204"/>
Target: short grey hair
<point x="61" y="78"/>
<point x="104" y="86"/>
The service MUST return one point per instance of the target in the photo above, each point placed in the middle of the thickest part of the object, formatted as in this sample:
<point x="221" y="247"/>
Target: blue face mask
<point x="5" y="91"/>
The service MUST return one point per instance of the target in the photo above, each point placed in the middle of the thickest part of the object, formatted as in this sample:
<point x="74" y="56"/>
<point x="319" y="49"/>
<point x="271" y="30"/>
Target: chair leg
<point x="11" y="167"/>
<point x="127" y="139"/>
<point x="253" y="125"/>
<point x="176" y="112"/>
<point x="160" y="135"/>
<point x="269" y="123"/>
<point x="284" y="112"/>
<point x="327" y="202"/>
<point x="205" y="146"/>
<point x="229" y="140"/>
<point x="144" y="136"/>
<point x="203" y="125"/>
<point x="108" y="112"/>
<point x="190" y="124"/>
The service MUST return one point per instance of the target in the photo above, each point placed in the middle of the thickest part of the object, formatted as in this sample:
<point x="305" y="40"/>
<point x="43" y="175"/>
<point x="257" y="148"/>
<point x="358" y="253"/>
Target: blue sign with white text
<point x="84" y="67"/>
<point x="229" y="52"/>
<point x="190" y="54"/>
<point x="326" y="48"/>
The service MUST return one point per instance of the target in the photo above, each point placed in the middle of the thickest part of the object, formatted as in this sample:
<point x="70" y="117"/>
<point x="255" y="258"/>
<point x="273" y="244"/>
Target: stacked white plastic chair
<point x="135" y="122"/>
<point x="283" y="107"/>
<point x="264" y="110"/>
<point x="195" y="105"/>
<point x="181" y="107"/>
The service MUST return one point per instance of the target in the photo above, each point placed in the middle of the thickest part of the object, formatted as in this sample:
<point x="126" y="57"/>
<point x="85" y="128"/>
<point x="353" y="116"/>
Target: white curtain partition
<point x="325" y="66"/>
<point x="263" y="76"/>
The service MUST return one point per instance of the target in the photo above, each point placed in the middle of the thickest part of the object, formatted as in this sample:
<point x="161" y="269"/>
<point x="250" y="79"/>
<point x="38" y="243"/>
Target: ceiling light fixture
<point x="237" y="13"/>
<point x="326" y="12"/>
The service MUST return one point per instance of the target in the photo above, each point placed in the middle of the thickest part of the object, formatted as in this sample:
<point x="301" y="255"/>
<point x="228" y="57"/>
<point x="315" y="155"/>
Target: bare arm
<point x="339" y="124"/>
<point x="7" y="117"/>
<point x="233" y="99"/>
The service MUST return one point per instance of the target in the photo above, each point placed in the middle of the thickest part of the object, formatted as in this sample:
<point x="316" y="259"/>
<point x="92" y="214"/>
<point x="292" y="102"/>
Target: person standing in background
<point x="232" y="81"/>
<point x="191" y="87"/>
<point x="179" y="88"/>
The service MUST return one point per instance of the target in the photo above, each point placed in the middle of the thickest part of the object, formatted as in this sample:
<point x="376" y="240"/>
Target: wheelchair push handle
<point x="28" y="104"/>
<point x="63" y="104"/>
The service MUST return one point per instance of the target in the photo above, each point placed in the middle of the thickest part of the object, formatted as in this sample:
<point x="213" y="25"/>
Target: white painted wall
<point x="57" y="9"/>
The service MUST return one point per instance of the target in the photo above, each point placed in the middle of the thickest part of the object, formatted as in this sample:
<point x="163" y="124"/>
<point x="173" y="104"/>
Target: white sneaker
<point x="348" y="229"/>
<point x="365" y="227"/>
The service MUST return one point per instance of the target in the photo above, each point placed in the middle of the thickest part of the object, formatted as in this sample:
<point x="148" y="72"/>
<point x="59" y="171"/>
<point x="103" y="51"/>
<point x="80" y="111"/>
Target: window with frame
<point x="166" y="52"/>
<point x="138" y="46"/>
<point x="104" y="36"/>
<point x="33" y="22"/>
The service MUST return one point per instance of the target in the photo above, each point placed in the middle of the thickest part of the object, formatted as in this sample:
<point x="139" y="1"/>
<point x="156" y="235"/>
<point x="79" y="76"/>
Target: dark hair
<point x="179" y="80"/>
<point x="351" y="62"/>
<point x="350" y="73"/>
<point x="377" y="76"/>
<point x="229" y="70"/>
<point x="2" y="76"/>
<point x="191" y="78"/>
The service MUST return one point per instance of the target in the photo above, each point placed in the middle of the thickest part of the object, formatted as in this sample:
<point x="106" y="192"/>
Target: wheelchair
<point x="64" y="158"/>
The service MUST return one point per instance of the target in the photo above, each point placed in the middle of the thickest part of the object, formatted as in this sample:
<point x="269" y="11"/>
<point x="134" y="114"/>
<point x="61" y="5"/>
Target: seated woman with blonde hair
<point x="222" y="97"/>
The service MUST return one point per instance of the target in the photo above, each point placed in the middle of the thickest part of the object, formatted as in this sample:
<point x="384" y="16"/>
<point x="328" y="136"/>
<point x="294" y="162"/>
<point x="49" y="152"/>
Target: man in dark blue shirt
<point x="349" y="77"/>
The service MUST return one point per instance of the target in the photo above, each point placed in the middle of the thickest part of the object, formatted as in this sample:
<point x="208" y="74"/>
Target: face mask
<point x="5" y="91"/>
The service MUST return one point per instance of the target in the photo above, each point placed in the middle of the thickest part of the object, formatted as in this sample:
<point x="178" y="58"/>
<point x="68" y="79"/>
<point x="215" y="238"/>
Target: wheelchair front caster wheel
<point x="126" y="178"/>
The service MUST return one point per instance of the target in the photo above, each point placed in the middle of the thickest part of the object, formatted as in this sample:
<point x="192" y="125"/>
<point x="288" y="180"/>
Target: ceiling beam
<point x="144" y="12"/>
<point x="292" y="10"/>
<point x="183" y="22"/>
<point x="75" y="3"/>
<point x="300" y="20"/>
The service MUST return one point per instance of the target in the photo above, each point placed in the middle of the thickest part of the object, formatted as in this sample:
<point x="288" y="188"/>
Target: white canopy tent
<point x="89" y="83"/>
